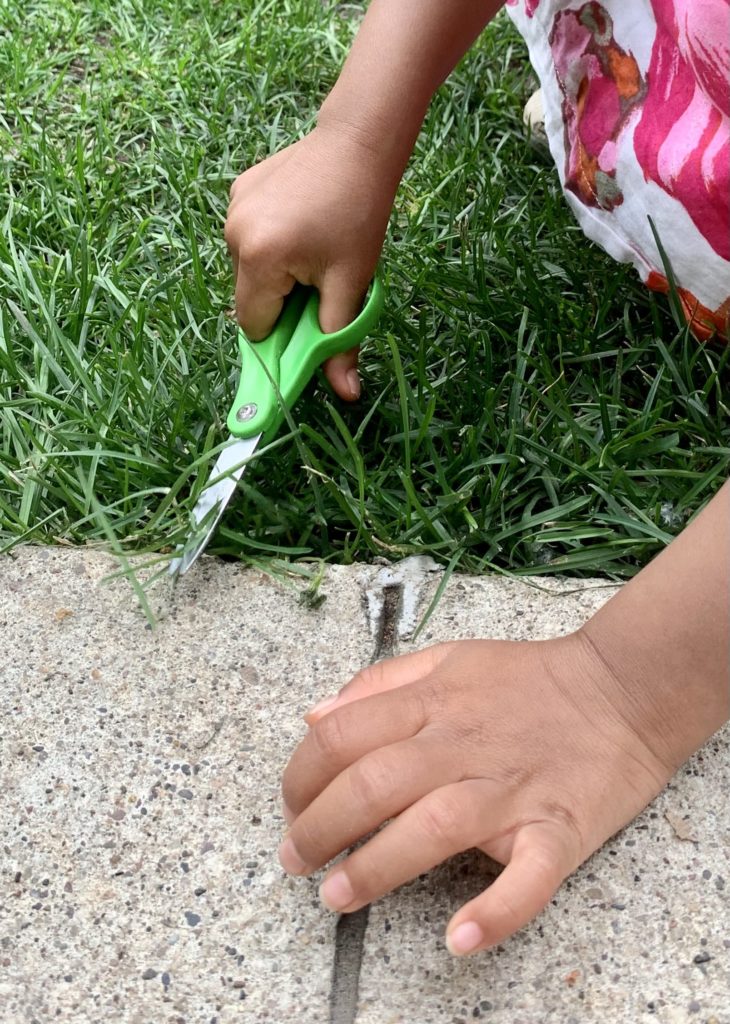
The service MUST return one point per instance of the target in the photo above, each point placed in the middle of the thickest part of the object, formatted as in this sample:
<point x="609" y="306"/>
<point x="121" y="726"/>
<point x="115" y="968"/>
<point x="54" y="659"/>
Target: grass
<point x="527" y="405"/>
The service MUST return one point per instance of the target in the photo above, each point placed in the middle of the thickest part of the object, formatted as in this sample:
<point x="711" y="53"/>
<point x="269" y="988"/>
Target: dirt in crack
<point x="351" y="928"/>
<point x="388" y="625"/>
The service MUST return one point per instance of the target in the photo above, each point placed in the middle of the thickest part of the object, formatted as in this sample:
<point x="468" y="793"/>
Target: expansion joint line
<point x="351" y="928"/>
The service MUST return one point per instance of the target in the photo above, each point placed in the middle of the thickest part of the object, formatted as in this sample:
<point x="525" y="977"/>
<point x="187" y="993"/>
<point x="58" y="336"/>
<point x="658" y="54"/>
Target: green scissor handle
<point x="274" y="372"/>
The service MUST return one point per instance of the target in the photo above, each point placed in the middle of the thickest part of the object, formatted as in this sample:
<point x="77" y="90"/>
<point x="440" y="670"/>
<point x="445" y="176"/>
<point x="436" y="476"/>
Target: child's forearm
<point x="666" y="637"/>
<point x="403" y="52"/>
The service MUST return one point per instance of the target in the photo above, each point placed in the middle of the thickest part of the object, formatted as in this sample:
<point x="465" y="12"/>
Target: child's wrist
<point x="663" y="641"/>
<point x="652" y="692"/>
<point x="581" y="670"/>
<point x="387" y="151"/>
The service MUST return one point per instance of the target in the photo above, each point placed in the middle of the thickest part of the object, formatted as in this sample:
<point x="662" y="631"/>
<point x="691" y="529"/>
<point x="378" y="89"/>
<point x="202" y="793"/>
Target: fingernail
<point x="336" y="892"/>
<point x="323" y="704"/>
<point x="464" y="938"/>
<point x="289" y="858"/>
<point x="353" y="379"/>
<point x="289" y="815"/>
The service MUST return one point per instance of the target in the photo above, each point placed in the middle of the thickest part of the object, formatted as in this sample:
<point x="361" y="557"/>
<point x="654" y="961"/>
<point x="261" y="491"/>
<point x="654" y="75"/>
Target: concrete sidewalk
<point x="140" y="816"/>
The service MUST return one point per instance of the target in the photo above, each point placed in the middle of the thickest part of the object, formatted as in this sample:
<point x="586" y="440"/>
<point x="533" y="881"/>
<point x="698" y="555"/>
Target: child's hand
<point x="529" y="751"/>
<point x="534" y="752"/>
<point x="315" y="213"/>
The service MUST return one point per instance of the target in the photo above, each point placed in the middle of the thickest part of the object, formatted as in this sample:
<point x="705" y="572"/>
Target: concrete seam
<point x="351" y="928"/>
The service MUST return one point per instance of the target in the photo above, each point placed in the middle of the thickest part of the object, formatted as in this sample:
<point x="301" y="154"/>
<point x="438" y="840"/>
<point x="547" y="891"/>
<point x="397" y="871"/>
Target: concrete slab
<point x="140" y="776"/>
<point x="139" y="820"/>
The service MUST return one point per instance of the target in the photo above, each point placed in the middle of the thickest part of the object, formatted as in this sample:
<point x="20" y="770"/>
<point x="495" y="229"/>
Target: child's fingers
<point x="342" y="738"/>
<point x="382" y="676"/>
<point x="374" y="789"/>
<point x="542" y="855"/>
<point x="259" y="301"/>
<point x="450" y="819"/>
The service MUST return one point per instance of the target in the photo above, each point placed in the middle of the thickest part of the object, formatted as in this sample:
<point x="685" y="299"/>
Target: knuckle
<point x="251" y="241"/>
<point x="368" y="875"/>
<point x="310" y="841"/>
<point x="440" y="819"/>
<point x="467" y="734"/>
<point x="433" y="694"/>
<point x="372" y="781"/>
<point x="515" y="776"/>
<point x="426" y="700"/>
<point x="254" y="246"/>
<point x="572" y="841"/>
<point x="257" y="246"/>
<point x="369" y="679"/>
<point x="564" y="817"/>
<point x="328" y="737"/>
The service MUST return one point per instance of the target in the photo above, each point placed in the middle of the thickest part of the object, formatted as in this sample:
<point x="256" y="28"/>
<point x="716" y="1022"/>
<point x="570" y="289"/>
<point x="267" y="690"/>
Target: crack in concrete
<point x="409" y="577"/>
<point x="387" y="634"/>
<point x="351" y="928"/>
<point x="349" y="943"/>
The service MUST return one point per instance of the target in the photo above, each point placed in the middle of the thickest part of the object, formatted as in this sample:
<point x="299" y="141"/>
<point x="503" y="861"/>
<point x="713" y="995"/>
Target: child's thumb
<point x="341" y="372"/>
<point x="542" y="856"/>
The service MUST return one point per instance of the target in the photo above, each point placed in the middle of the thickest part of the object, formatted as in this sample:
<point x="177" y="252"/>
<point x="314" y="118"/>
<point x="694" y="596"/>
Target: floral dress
<point x="637" y="114"/>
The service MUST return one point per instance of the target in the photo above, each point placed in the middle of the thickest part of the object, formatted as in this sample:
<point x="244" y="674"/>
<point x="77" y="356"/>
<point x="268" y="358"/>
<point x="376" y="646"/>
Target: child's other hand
<point x="532" y="752"/>
<point x="316" y="213"/>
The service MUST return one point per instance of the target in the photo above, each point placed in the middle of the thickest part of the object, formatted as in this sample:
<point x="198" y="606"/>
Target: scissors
<point x="274" y="372"/>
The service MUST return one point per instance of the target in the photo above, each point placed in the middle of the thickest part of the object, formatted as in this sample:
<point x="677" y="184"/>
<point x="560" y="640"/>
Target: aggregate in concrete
<point x="140" y="811"/>
<point x="140" y="816"/>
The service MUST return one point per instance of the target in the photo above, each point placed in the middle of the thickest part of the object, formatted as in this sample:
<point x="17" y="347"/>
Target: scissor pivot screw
<point x="247" y="412"/>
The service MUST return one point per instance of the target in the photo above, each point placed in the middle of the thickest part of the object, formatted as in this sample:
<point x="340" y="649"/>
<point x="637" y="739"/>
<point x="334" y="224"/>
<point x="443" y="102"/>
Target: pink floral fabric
<point x="681" y="140"/>
<point x="637" y="99"/>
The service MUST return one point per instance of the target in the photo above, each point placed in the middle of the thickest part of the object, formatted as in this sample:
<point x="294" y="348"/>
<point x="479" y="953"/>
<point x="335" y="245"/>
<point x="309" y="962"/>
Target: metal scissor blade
<point x="213" y="499"/>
